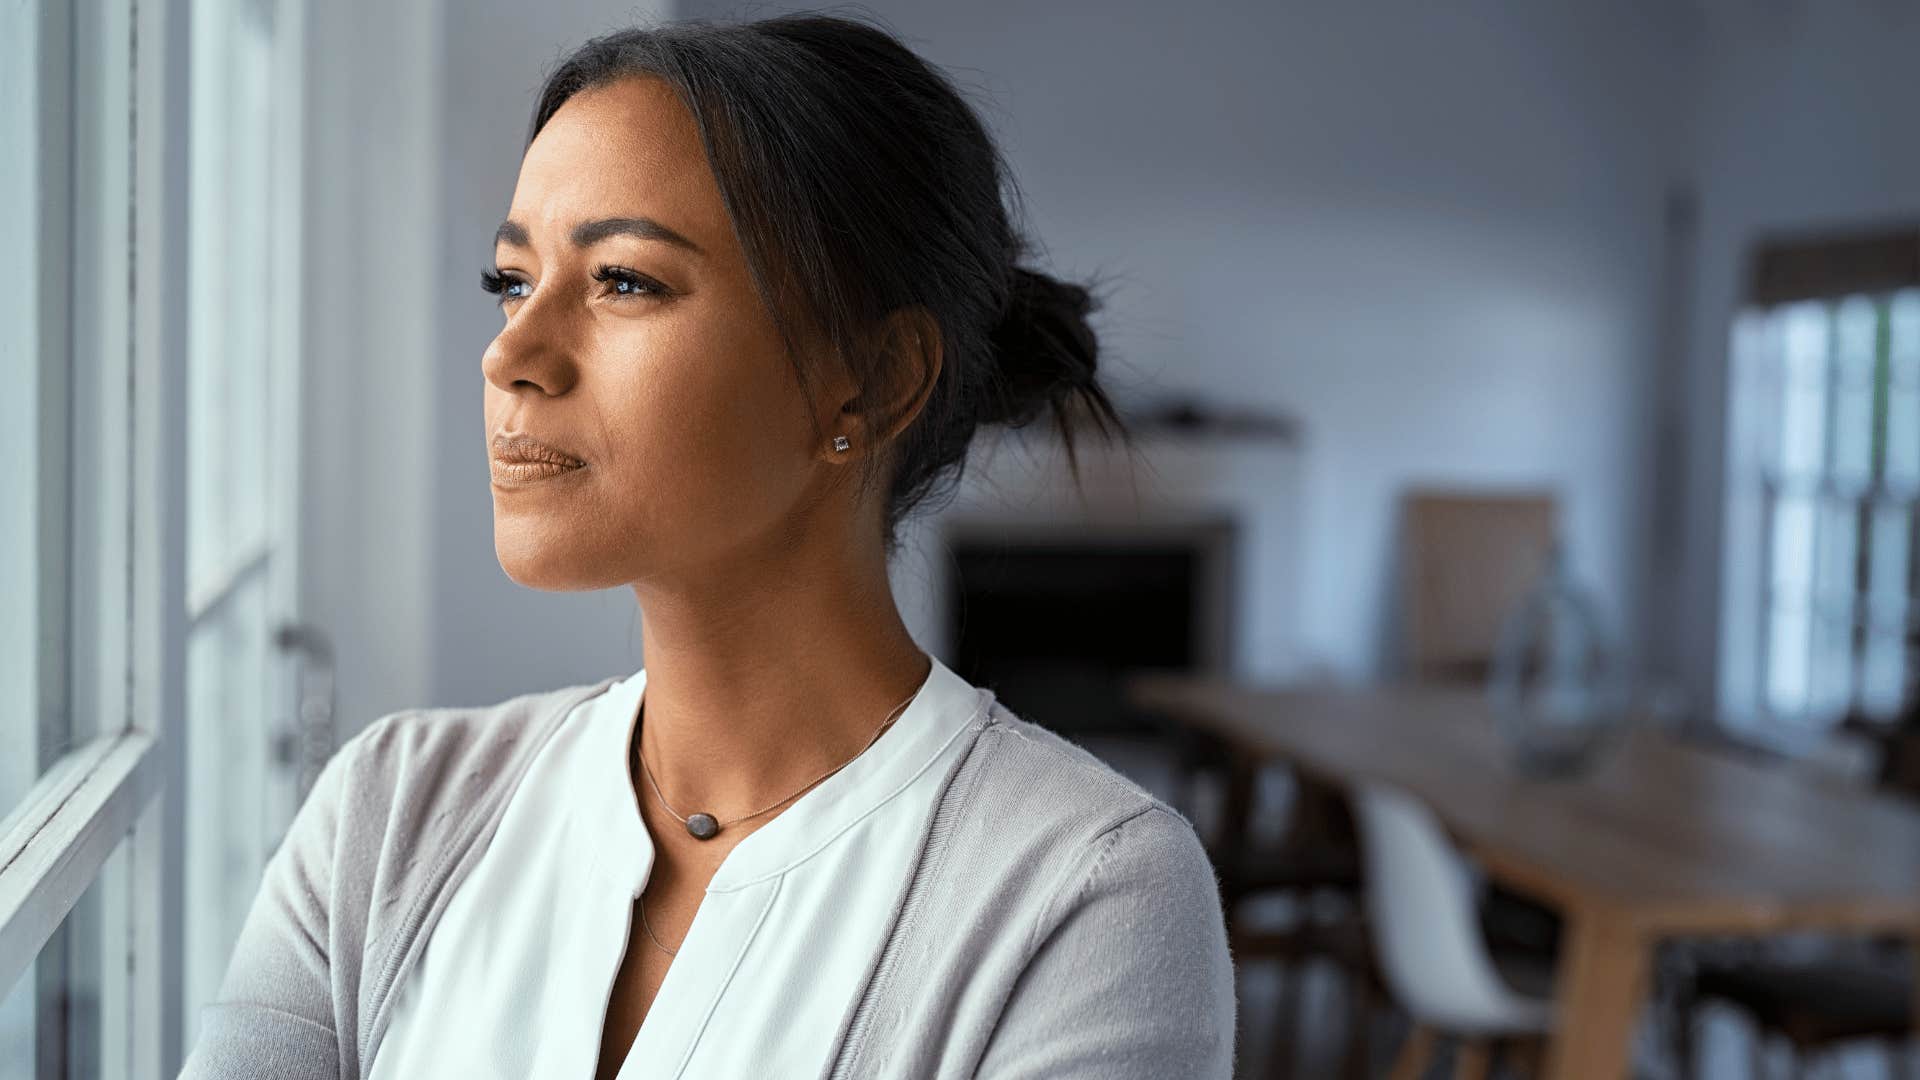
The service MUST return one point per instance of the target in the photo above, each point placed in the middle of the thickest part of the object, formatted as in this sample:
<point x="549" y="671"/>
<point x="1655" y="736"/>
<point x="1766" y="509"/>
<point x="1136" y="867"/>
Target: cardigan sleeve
<point x="274" y="1013"/>
<point x="1130" y="977"/>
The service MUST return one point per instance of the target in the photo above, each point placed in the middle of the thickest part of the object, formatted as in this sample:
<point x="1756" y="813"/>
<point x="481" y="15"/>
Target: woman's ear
<point x="901" y="373"/>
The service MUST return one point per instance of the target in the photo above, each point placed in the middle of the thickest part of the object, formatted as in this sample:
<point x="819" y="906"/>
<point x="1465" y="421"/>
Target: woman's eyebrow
<point x="588" y="233"/>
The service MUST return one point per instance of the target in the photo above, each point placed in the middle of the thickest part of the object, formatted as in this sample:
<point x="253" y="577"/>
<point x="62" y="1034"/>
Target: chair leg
<point x="1471" y="1062"/>
<point x="1524" y="1054"/>
<point x="1415" y="1054"/>
<point x="1286" y="1027"/>
<point x="1686" y="1050"/>
<point x="1358" y="1063"/>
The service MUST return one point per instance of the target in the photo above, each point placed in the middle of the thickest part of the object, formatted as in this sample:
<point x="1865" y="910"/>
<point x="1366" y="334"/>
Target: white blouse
<point x="515" y="978"/>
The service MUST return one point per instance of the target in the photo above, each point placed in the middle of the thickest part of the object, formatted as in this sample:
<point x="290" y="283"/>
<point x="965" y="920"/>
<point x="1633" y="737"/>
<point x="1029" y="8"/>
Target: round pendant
<point x="702" y="826"/>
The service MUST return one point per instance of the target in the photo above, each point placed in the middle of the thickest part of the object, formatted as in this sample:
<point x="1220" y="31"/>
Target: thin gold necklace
<point x="706" y="827"/>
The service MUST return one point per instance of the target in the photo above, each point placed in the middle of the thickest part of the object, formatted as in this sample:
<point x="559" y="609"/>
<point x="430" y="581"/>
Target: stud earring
<point x="840" y="442"/>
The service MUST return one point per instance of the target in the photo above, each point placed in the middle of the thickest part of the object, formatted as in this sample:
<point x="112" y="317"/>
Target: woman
<point x="760" y="290"/>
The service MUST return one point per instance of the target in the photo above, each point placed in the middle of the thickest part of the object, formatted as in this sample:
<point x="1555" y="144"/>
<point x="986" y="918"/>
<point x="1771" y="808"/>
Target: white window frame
<point x="124" y="785"/>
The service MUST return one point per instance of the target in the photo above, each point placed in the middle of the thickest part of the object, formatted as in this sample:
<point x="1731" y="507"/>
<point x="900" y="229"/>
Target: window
<point x="1824" y="464"/>
<point x="84" y="334"/>
<point x="150" y="745"/>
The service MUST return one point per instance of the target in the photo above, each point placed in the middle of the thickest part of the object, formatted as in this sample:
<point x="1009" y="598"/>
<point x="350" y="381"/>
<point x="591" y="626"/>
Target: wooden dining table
<point x="1659" y="838"/>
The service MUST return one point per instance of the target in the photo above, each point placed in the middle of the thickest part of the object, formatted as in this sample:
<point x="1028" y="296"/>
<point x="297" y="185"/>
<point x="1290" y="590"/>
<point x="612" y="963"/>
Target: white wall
<point x="1432" y="232"/>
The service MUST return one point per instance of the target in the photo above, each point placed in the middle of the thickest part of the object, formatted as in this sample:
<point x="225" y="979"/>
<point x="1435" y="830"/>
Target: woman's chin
<point x="542" y="564"/>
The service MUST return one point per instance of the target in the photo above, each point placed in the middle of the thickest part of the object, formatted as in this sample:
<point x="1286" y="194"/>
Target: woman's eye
<point x="624" y="282"/>
<point x="619" y="281"/>
<point x="505" y="286"/>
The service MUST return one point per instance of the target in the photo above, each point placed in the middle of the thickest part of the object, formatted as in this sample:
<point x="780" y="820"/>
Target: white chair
<point x="1421" y="906"/>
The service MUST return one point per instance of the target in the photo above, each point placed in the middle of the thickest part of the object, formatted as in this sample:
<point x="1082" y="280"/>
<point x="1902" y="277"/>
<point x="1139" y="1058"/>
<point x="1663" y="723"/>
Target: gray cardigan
<point x="1060" y="922"/>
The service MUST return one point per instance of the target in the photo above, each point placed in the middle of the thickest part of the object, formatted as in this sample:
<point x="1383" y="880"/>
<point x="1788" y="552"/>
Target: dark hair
<point x="859" y="182"/>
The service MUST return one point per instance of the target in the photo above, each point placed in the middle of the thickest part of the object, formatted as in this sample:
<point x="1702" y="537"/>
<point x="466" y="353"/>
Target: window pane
<point x="1831" y="667"/>
<point x="1806" y="378"/>
<point x="1791" y="634"/>
<point x="233" y="817"/>
<point x="1903" y="392"/>
<point x="229" y="445"/>
<point x="1855" y="331"/>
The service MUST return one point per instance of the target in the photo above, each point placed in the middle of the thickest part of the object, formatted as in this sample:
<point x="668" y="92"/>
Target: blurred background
<point x="1516" y="585"/>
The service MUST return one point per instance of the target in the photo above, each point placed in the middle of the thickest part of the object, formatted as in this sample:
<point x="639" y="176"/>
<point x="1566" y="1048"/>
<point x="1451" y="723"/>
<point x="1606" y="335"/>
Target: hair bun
<point x="1043" y="345"/>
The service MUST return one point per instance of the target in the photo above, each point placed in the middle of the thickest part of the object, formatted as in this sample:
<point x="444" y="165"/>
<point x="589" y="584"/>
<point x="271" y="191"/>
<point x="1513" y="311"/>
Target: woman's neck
<point x="751" y="697"/>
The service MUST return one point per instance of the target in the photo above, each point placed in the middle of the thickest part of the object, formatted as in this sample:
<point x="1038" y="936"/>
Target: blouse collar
<point x="945" y="707"/>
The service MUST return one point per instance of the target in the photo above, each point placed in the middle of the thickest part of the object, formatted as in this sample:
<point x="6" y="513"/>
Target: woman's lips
<point x="526" y="472"/>
<point x="521" y="459"/>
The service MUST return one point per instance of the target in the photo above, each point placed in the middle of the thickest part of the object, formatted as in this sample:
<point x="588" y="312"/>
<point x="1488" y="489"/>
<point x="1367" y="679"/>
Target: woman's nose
<point x="533" y="352"/>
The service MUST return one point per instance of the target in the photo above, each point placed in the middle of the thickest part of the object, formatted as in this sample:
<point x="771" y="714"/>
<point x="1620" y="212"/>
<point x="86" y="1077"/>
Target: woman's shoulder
<point x="1061" y="909"/>
<point x="420" y="780"/>
<point x="442" y="751"/>
<point x="1059" y="786"/>
<point x="1033" y="811"/>
<point x="455" y="727"/>
<point x="372" y="842"/>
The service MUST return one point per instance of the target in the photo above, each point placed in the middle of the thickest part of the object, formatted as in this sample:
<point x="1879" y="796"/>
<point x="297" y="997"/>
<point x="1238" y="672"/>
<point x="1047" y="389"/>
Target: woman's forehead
<point x="628" y="149"/>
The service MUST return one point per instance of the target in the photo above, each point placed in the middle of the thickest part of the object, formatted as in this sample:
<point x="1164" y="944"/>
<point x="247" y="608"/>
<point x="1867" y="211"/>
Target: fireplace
<point x="1049" y="590"/>
<point x="1052" y="619"/>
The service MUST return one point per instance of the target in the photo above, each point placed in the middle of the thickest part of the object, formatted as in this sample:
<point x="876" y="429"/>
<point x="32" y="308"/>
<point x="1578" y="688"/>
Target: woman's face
<point x="636" y="344"/>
